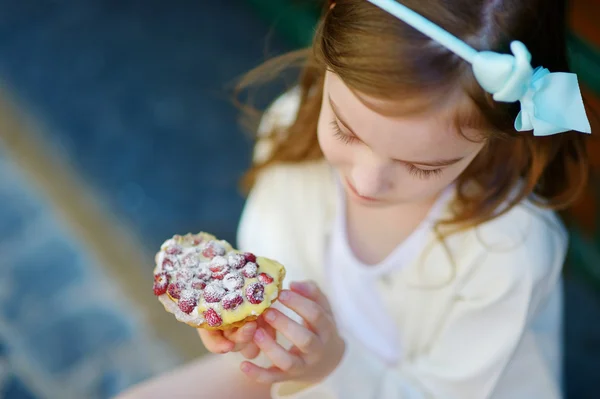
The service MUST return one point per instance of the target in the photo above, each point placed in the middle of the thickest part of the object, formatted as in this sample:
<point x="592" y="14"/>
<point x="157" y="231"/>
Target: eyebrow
<point x="436" y="163"/>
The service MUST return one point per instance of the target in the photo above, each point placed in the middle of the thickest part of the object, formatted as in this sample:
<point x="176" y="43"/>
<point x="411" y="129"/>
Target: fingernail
<point x="284" y="296"/>
<point x="247" y="330"/>
<point x="228" y="349"/>
<point x="259" y="335"/>
<point x="270" y="316"/>
<point x="245" y="368"/>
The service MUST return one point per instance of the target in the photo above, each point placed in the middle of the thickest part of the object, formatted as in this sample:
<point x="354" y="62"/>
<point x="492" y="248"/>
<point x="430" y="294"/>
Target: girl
<point x="406" y="178"/>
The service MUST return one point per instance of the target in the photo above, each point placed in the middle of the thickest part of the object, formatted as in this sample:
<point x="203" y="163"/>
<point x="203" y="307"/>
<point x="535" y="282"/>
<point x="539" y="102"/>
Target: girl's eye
<point x="412" y="169"/>
<point x="344" y="138"/>
<point x="423" y="173"/>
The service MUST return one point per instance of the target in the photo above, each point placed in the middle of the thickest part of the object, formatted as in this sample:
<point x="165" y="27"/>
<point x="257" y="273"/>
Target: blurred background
<point x="117" y="131"/>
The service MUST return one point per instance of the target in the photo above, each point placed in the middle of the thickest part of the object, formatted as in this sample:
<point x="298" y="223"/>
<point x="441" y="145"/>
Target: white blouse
<point x="353" y="284"/>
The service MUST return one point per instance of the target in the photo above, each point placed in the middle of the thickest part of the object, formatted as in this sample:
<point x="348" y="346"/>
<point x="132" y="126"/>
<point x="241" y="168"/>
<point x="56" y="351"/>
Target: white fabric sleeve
<point x="472" y="349"/>
<point x="281" y="113"/>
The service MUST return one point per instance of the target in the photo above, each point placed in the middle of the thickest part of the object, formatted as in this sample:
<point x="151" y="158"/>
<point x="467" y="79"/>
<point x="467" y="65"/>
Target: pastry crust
<point x="186" y="255"/>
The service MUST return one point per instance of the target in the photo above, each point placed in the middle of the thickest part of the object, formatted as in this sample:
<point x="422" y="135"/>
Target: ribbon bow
<point x="551" y="103"/>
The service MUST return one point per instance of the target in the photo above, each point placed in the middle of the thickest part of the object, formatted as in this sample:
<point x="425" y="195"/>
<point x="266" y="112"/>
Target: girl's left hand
<point x="318" y="348"/>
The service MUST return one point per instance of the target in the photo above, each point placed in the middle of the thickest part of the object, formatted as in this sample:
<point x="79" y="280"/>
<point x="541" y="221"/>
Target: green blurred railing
<point x="295" y="21"/>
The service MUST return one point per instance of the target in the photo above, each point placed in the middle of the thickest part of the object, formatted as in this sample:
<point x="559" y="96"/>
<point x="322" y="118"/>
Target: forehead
<point x="432" y="132"/>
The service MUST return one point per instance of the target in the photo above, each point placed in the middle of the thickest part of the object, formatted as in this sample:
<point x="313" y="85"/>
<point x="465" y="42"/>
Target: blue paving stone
<point x="14" y="388"/>
<point x="17" y="207"/>
<point x="111" y="383"/>
<point x="14" y="216"/>
<point x="135" y="94"/>
<point x="40" y="273"/>
<point x="63" y="342"/>
<point x="132" y="95"/>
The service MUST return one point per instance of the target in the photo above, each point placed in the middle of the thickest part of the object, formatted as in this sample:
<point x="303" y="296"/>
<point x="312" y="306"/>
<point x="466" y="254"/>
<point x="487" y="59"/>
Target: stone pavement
<point x="64" y="332"/>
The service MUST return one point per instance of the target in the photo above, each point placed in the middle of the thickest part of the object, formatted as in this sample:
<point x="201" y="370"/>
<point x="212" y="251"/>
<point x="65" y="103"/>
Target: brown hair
<point x="376" y="54"/>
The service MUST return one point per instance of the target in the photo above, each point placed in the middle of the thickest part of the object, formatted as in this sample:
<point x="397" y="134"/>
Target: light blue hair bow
<point x="550" y="102"/>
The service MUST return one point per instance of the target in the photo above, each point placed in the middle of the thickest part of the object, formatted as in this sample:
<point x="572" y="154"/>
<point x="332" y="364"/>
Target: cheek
<point x="411" y="188"/>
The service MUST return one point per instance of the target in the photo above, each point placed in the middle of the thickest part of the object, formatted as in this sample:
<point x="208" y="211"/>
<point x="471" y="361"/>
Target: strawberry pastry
<point x="205" y="283"/>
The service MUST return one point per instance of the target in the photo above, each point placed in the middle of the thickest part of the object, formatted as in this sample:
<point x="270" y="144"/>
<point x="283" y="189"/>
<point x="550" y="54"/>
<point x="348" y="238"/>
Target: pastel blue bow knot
<point x="551" y="103"/>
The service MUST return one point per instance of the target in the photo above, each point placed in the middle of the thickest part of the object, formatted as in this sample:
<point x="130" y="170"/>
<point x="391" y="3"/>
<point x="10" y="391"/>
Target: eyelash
<point x="344" y="138"/>
<point x="413" y="170"/>
<point x="423" y="173"/>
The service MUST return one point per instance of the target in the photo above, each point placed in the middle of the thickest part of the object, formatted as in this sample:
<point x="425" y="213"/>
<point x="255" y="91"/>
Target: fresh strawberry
<point x="233" y="281"/>
<point x="265" y="278"/>
<point x="168" y="265"/>
<point x="250" y="257"/>
<point x="174" y="290"/>
<point x="236" y="261"/>
<point x="217" y="264"/>
<point x="161" y="282"/>
<point x="212" y="318"/>
<point x="255" y="293"/>
<point x="213" y="293"/>
<point x="198" y="284"/>
<point x="190" y="260"/>
<point x="220" y="275"/>
<point x="250" y="270"/>
<point x="203" y="273"/>
<point x="188" y="301"/>
<point x="173" y="250"/>
<point x="212" y="249"/>
<point x="232" y="301"/>
<point x="184" y="275"/>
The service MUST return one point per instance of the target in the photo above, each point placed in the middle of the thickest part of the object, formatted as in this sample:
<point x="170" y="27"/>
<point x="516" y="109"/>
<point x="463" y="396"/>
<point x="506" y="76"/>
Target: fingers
<point x="266" y="326"/>
<point x="304" y="339"/>
<point x="313" y="313"/>
<point x="280" y="357"/>
<point x="241" y="336"/>
<point x="250" y="351"/>
<point x="262" y="375"/>
<point x="310" y="290"/>
<point x="214" y="341"/>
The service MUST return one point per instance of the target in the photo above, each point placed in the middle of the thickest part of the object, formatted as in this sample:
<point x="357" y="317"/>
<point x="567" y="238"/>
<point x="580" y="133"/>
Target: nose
<point x="370" y="180"/>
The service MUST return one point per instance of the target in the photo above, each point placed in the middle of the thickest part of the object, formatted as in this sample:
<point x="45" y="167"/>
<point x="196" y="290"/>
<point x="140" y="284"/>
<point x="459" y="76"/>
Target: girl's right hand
<point x="235" y="340"/>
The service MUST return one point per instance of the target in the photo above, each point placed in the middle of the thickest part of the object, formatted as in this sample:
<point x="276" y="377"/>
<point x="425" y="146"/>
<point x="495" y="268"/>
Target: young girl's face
<point x="387" y="160"/>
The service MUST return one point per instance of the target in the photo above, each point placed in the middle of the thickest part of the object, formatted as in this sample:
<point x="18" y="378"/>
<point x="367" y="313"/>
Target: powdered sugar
<point x="203" y="272"/>
<point x="188" y="301"/>
<point x="232" y="300"/>
<point x="233" y="281"/>
<point x="184" y="275"/>
<point x="236" y="261"/>
<point x="214" y="292"/>
<point x="213" y="248"/>
<point x="190" y="260"/>
<point x="218" y="263"/>
<point x="250" y="270"/>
